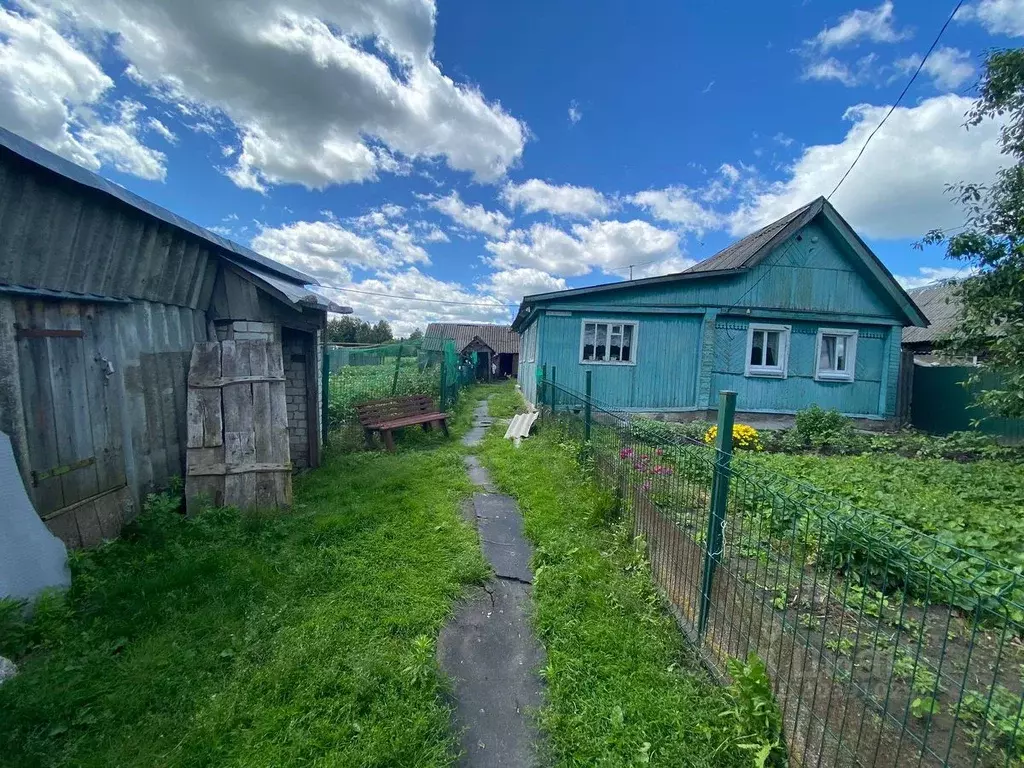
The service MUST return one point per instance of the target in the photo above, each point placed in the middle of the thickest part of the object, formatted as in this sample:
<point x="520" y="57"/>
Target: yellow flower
<point x="744" y="437"/>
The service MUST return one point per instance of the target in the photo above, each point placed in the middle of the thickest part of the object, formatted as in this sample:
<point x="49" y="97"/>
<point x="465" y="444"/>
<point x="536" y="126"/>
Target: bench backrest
<point x="389" y="408"/>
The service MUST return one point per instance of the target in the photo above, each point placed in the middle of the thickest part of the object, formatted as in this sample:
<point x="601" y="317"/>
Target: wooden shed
<point x="102" y="297"/>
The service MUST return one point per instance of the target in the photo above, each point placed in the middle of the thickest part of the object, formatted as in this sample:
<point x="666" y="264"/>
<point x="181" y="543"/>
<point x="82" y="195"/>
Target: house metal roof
<point x="750" y="251"/>
<point x="38" y="156"/>
<point x="500" y="338"/>
<point x="939" y="303"/>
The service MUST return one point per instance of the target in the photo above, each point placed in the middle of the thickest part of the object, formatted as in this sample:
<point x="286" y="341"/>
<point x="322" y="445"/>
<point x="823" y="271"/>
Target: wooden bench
<point x="396" y="412"/>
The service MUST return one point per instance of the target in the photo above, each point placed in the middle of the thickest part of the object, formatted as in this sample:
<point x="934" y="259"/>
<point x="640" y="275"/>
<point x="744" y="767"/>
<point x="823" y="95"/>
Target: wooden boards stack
<point x="238" y="451"/>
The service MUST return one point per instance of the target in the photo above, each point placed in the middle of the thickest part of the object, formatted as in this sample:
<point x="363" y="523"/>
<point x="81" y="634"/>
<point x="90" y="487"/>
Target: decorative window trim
<point x="849" y="374"/>
<point x="633" y="341"/>
<point x="779" y="371"/>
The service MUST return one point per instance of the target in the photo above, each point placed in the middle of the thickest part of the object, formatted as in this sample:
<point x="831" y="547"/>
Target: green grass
<point x="622" y="688"/>
<point x="505" y="401"/>
<point x="234" y="640"/>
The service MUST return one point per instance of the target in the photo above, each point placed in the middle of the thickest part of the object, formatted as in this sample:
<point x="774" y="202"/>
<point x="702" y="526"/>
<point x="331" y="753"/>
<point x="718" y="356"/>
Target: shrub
<point x="744" y="437"/>
<point x="818" y="426"/>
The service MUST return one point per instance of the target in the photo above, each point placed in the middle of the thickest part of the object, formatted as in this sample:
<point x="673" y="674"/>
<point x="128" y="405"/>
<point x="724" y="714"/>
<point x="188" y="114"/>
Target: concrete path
<point x="488" y="649"/>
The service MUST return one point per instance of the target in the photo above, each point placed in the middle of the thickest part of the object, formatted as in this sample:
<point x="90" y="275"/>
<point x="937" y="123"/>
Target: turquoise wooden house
<point x="797" y="313"/>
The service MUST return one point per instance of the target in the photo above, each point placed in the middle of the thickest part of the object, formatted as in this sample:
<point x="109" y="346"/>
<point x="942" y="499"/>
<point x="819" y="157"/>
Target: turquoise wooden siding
<point x="527" y="363"/>
<point x="692" y="334"/>
<point x="664" y="376"/>
<point x="817" y="273"/>
<point x="798" y="390"/>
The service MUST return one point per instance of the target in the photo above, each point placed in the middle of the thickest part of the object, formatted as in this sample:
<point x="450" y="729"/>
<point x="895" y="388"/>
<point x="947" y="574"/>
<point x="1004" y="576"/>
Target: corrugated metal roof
<point x="500" y="338"/>
<point x="38" y="156"/>
<point x="939" y="304"/>
<point x="743" y="252"/>
<point x="296" y="294"/>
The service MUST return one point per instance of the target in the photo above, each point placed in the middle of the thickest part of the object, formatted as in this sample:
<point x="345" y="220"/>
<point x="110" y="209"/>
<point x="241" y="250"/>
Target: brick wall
<point x="245" y="329"/>
<point x="294" y="353"/>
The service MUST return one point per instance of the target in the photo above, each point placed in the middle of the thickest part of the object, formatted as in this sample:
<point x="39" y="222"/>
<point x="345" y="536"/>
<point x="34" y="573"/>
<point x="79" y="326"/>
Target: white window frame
<point x="779" y="371"/>
<point x="633" y="342"/>
<point x="851" y="355"/>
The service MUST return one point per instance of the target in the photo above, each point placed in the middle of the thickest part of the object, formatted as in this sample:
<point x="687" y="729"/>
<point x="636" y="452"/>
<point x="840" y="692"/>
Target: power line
<point x="903" y="93"/>
<point x="491" y="304"/>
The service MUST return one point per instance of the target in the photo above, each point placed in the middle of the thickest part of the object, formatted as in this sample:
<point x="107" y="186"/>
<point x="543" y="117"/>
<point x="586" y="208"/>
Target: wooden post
<point x="719" y="499"/>
<point x="587" y="414"/>
<point x="325" y="390"/>
<point x="543" y="383"/>
<point x="553" y="394"/>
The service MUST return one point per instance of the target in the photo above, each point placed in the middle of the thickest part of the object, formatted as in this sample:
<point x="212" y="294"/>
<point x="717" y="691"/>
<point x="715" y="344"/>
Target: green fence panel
<point x="940" y="403"/>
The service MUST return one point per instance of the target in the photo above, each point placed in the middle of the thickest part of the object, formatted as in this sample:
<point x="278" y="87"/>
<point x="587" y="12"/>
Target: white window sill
<point x="840" y="378"/>
<point x="765" y="374"/>
<point x="606" y="362"/>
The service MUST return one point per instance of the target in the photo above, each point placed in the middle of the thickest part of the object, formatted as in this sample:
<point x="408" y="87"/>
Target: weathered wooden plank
<point x="12" y="409"/>
<point x="89" y="527"/>
<point x="259" y="366"/>
<point x="239" y="450"/>
<point x="65" y="528"/>
<point x="74" y="425"/>
<point x="137" y="457"/>
<point x="105" y="409"/>
<point x="204" y="468"/>
<point x="312" y="403"/>
<point x="195" y="419"/>
<point x="188" y="275"/>
<point x="61" y="255"/>
<point x="37" y="397"/>
<point x="205" y="366"/>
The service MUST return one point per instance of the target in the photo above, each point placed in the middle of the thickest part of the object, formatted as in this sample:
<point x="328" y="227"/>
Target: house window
<point x="767" y="350"/>
<point x="608" y="342"/>
<point x="837" y="355"/>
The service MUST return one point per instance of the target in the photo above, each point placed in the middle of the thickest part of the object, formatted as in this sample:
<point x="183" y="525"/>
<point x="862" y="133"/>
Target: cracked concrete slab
<point x="489" y="650"/>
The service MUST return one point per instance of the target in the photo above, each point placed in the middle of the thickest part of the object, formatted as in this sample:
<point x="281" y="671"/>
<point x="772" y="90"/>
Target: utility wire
<point x="491" y="304"/>
<point x="903" y="93"/>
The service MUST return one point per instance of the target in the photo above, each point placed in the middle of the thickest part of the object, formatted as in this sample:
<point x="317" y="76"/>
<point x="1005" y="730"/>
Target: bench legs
<point x="444" y="426"/>
<point x="389" y="441"/>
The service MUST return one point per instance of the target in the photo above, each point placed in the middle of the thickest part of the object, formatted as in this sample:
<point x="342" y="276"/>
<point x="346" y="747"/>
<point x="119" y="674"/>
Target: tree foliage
<point x="991" y="315"/>
<point x="352" y="330"/>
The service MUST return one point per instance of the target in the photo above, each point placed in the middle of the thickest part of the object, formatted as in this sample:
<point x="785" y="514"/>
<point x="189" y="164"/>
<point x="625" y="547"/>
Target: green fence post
<point x="398" y="365"/>
<point x="553" y="393"/>
<point x="442" y="399"/>
<point x="719" y="499"/>
<point x="587" y="414"/>
<point x="543" y="384"/>
<point x="325" y="394"/>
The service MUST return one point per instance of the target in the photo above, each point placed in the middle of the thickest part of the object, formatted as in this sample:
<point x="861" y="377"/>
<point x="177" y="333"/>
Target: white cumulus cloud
<point x="513" y="284"/>
<point x="51" y="93"/>
<point x="875" y="25"/>
<point x="319" y="92"/>
<point x="998" y="17"/>
<point x="535" y="195"/>
<point x="602" y="245"/>
<point x="681" y="206"/>
<point x="328" y="251"/>
<point x="474" y="217"/>
<point x="897" y="189"/>
<point x="928" y="275"/>
<point x="948" y="67"/>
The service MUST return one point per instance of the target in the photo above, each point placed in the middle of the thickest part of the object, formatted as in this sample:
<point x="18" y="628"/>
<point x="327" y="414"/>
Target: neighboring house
<point x="102" y="296"/>
<point x="497" y="346"/>
<point x="940" y="305"/>
<point x="797" y="313"/>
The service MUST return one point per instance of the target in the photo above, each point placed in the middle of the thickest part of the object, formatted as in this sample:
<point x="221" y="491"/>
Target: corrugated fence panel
<point x="941" y="404"/>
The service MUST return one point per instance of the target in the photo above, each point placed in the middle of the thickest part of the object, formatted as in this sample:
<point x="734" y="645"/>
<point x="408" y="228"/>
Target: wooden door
<point x="73" y="417"/>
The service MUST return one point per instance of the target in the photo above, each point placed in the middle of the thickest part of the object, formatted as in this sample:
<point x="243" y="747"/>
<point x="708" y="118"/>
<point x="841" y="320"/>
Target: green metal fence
<point x="885" y="646"/>
<point x="940" y="403"/>
<point x="356" y="375"/>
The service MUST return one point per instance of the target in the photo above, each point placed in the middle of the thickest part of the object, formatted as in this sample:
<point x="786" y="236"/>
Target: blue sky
<point x="470" y="152"/>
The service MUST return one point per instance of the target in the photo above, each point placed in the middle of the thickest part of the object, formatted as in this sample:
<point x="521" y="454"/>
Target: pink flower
<point x="646" y="486"/>
<point x="658" y="452"/>
<point x="625" y="453"/>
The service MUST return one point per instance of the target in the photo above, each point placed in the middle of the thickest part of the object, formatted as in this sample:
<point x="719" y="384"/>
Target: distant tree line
<point x="352" y="330"/>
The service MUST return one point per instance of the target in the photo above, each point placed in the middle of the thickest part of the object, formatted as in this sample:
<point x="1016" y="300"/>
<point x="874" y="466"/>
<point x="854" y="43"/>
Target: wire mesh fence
<point x="357" y="375"/>
<point x="885" y="646"/>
